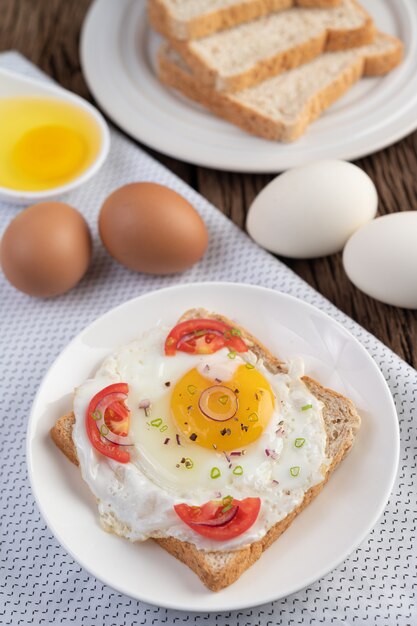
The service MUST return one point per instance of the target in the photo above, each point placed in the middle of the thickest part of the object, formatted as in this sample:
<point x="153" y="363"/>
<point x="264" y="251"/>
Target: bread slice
<point x="192" y="19"/>
<point x="281" y="108"/>
<point x="251" y="53"/>
<point x="218" y="569"/>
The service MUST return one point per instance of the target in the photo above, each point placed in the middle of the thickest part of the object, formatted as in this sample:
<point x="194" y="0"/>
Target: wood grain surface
<point x="47" y="32"/>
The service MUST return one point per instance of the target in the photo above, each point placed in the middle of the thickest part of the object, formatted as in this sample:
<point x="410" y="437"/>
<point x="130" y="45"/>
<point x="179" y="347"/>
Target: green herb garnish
<point x="235" y="332"/>
<point x="97" y="415"/>
<point x="238" y="471"/>
<point x="253" y="417"/>
<point x="299" y="442"/>
<point x="188" y="463"/>
<point x="249" y="366"/>
<point x="104" y="430"/>
<point x="294" y="471"/>
<point x="191" y="389"/>
<point x="306" y="407"/>
<point x="163" y="428"/>
<point x="215" y="472"/>
<point x="232" y="354"/>
<point x="156" y="422"/>
<point x="223" y="399"/>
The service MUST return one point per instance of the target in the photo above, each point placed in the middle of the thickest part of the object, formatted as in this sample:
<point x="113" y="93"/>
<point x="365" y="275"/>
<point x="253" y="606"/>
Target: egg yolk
<point x="223" y="415"/>
<point x="49" y="152"/>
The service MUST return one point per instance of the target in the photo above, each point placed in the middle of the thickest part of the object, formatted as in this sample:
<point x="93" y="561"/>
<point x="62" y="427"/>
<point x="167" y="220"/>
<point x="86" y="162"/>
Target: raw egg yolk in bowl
<point x="223" y="415"/>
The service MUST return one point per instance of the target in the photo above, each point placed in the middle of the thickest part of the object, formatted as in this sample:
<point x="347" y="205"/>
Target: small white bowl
<point x="12" y="84"/>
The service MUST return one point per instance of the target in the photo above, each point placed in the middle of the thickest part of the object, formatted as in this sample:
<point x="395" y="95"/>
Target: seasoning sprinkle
<point x="225" y="431"/>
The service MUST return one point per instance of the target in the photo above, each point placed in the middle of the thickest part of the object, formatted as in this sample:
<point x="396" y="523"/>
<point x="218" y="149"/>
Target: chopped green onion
<point x="238" y="471"/>
<point x="157" y="422"/>
<point x="232" y="354"/>
<point x="104" y="430"/>
<point x="299" y="442"/>
<point x="235" y="332"/>
<point x="97" y="415"/>
<point x="249" y="366"/>
<point x="191" y="389"/>
<point x="223" y="399"/>
<point x="215" y="472"/>
<point x="227" y="500"/>
<point x="163" y="428"/>
<point x="188" y="463"/>
<point x="253" y="417"/>
<point x="294" y="471"/>
<point x="306" y="407"/>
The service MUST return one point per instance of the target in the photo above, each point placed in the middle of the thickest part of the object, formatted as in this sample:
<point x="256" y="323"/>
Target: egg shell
<point x="381" y="259"/>
<point x="312" y="210"/>
<point x="152" y="229"/>
<point x="46" y="249"/>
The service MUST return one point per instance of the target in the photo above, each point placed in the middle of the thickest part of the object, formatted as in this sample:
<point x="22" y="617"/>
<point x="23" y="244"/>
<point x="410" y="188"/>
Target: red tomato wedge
<point x="219" y="522"/>
<point x="203" y="336"/>
<point x="107" y="410"/>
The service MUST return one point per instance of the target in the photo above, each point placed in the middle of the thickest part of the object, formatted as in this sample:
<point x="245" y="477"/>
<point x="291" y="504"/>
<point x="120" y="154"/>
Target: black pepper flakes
<point x="167" y="384"/>
<point x="244" y="428"/>
<point x="193" y="437"/>
<point x="225" y="431"/>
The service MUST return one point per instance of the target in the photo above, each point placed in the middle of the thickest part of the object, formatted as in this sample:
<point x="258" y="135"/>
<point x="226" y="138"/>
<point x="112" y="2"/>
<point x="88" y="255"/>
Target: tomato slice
<point x="108" y="406"/>
<point x="241" y="520"/>
<point x="203" y="336"/>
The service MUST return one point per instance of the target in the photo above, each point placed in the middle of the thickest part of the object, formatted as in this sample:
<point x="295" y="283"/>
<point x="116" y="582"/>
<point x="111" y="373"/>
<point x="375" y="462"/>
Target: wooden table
<point x="47" y="33"/>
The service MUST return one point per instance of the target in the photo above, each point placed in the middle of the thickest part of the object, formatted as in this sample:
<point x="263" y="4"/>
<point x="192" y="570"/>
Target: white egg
<point x="381" y="259"/>
<point x="312" y="210"/>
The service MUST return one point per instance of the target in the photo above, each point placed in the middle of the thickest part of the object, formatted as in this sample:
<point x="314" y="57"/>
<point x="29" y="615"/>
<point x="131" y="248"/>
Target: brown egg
<point x="46" y="249"/>
<point x="152" y="229"/>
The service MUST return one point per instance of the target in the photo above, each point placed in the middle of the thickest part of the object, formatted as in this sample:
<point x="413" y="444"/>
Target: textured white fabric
<point x="39" y="582"/>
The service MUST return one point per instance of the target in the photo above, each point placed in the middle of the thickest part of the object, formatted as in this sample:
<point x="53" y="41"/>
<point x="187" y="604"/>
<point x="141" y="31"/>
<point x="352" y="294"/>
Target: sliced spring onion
<point x="104" y="430"/>
<point x="215" y="472"/>
<point x="163" y="428"/>
<point x="294" y="471"/>
<point x="249" y="366"/>
<point x="253" y="417"/>
<point x="299" y="442"/>
<point x="223" y="399"/>
<point x="238" y="471"/>
<point x="192" y="389"/>
<point x="188" y="463"/>
<point x="306" y="407"/>
<point x="156" y="422"/>
<point x="232" y="354"/>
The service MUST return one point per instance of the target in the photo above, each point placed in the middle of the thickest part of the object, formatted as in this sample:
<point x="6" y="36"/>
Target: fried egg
<point x="202" y="427"/>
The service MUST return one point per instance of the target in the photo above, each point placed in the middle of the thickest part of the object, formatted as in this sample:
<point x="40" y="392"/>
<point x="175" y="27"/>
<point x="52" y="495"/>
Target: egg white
<point x="136" y="500"/>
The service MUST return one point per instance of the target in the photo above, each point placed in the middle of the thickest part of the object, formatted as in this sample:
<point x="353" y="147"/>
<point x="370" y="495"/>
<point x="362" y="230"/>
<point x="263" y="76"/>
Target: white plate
<point x="118" y="60"/>
<point x="319" y="539"/>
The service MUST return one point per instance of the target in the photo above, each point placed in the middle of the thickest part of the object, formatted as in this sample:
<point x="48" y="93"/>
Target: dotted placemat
<point x="39" y="582"/>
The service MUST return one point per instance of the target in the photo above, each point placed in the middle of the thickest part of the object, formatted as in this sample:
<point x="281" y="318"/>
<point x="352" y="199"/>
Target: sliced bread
<point x="218" y="569"/>
<point x="251" y="53"/>
<point x="282" y="107"/>
<point x="192" y="19"/>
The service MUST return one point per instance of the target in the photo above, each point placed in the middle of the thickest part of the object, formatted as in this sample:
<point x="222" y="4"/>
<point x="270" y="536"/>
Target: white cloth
<point x="39" y="582"/>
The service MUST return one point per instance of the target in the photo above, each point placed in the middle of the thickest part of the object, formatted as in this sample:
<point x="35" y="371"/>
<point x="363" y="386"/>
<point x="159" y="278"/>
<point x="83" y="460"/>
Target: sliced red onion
<point x="222" y="520"/>
<point x="203" y="403"/>
<point x="196" y="335"/>
<point x="144" y="404"/>
<point x="100" y="410"/>
<point x="271" y="453"/>
<point x="226" y="456"/>
<point x="236" y="454"/>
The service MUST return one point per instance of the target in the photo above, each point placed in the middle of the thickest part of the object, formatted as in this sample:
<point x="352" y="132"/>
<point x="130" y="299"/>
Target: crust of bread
<point x="330" y="40"/>
<point x="163" y="21"/>
<point x="220" y="569"/>
<point x="254" y="121"/>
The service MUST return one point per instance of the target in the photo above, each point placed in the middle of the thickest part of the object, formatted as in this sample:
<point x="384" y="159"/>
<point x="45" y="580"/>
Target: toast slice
<point x="282" y="107"/>
<point x="251" y="53"/>
<point x="192" y="19"/>
<point x="218" y="569"/>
